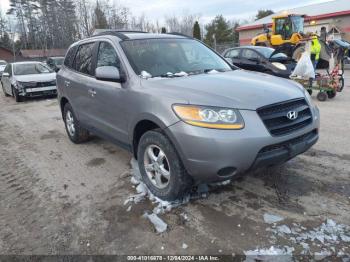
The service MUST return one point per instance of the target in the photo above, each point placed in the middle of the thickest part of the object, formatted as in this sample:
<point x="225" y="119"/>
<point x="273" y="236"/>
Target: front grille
<point x="275" y="116"/>
<point x="38" y="84"/>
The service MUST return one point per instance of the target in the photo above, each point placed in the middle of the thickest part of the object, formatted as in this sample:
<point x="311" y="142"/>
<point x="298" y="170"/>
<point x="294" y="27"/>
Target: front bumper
<point x="39" y="91"/>
<point x="211" y="155"/>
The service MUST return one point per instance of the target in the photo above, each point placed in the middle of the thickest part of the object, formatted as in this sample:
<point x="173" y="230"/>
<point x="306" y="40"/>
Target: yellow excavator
<point x="287" y="36"/>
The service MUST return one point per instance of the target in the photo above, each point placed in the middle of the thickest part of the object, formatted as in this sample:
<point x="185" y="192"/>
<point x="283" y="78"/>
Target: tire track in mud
<point x="27" y="210"/>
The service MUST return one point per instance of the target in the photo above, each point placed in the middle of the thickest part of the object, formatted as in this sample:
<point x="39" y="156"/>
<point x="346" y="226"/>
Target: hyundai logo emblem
<point x="292" y="115"/>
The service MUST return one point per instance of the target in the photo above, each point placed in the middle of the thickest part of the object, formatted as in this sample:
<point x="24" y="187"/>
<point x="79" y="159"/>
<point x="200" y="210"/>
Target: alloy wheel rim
<point x="70" y="123"/>
<point x="157" y="166"/>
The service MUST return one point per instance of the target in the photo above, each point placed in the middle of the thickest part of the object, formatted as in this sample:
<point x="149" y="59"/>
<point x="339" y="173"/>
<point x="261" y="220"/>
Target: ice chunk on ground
<point x="322" y="255"/>
<point x="158" y="223"/>
<point x="270" y="218"/>
<point x="284" y="229"/>
<point x="270" y="254"/>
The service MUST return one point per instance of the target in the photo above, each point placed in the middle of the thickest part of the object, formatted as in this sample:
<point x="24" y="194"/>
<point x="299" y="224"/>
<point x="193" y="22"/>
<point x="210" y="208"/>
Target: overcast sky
<point x="239" y="9"/>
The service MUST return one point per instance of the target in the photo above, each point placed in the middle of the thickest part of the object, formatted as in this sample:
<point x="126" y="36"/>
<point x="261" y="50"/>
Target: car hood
<point x="238" y="89"/>
<point x="35" y="77"/>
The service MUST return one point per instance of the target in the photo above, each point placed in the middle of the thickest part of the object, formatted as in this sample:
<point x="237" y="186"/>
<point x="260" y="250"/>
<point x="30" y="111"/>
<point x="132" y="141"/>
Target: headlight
<point x="280" y="66"/>
<point x="19" y="85"/>
<point x="210" y="117"/>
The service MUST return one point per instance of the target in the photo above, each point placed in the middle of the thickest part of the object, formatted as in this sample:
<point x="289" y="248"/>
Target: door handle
<point x="92" y="92"/>
<point x="67" y="83"/>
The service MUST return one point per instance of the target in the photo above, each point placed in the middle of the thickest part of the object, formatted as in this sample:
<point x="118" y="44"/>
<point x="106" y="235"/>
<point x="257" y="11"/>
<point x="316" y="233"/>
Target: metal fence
<point x="221" y="47"/>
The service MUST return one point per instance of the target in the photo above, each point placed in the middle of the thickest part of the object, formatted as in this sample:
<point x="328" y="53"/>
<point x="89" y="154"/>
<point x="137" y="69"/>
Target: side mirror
<point x="5" y="74"/>
<point x="109" y="73"/>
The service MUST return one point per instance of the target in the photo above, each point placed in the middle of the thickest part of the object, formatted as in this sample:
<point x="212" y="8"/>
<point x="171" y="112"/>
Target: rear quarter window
<point x="68" y="61"/>
<point x="83" y="59"/>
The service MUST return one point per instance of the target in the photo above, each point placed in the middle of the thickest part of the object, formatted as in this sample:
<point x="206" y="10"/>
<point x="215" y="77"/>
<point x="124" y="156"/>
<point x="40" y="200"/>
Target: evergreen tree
<point x="197" y="31"/>
<point x="100" y="18"/>
<point x="163" y="30"/>
<point x="263" y="13"/>
<point x="5" y="41"/>
<point x="221" y="29"/>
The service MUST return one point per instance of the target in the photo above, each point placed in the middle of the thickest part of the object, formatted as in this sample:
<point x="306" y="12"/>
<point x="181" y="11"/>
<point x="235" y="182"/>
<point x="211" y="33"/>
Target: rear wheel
<point x="76" y="133"/>
<point x="161" y="167"/>
<point x="341" y="84"/>
<point x="331" y="94"/>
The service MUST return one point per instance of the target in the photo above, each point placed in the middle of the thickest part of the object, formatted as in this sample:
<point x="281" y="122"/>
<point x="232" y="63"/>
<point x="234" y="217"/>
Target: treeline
<point x="45" y="24"/>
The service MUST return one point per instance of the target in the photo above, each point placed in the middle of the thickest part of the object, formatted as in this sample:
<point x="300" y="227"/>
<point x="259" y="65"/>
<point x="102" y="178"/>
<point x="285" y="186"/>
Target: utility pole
<point x="214" y="38"/>
<point x="13" y="46"/>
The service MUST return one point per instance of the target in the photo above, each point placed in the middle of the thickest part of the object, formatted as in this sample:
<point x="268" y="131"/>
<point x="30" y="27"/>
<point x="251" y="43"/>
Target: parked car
<point x="28" y="79"/>
<point x="3" y="64"/>
<point x="186" y="114"/>
<point x="55" y="63"/>
<point x="261" y="59"/>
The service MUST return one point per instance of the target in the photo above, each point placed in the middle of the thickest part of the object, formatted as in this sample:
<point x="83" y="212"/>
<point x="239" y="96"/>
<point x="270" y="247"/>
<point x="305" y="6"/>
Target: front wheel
<point x="16" y="95"/>
<point x="161" y="167"/>
<point x="322" y="96"/>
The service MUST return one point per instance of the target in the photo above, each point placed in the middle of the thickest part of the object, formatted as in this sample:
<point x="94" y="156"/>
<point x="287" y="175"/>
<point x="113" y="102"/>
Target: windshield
<point x="267" y="52"/>
<point x="2" y="63"/>
<point x="172" y="57"/>
<point x="298" y="24"/>
<point x="30" y="69"/>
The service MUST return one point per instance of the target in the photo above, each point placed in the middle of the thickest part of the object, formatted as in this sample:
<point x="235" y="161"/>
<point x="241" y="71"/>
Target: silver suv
<point x="187" y="115"/>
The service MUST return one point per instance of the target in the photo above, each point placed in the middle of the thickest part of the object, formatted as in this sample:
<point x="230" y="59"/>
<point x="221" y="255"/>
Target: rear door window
<point x="250" y="55"/>
<point x="83" y="59"/>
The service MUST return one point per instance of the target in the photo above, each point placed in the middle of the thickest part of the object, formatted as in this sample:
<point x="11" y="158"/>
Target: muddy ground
<point x="61" y="198"/>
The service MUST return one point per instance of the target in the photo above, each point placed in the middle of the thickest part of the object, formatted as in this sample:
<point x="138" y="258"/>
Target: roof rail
<point x="118" y="33"/>
<point x="179" y="34"/>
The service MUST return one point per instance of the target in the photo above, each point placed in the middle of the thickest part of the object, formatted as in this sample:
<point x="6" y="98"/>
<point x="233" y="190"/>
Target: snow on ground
<point x="329" y="239"/>
<point x="143" y="193"/>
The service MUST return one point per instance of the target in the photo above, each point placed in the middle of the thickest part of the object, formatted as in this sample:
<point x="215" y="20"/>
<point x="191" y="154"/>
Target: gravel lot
<point x="61" y="198"/>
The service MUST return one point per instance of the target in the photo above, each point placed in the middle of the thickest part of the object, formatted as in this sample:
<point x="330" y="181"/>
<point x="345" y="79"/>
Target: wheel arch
<point x="143" y="123"/>
<point x="63" y="102"/>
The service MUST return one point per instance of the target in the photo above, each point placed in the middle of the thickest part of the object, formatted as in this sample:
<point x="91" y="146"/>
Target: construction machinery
<point x="287" y="36"/>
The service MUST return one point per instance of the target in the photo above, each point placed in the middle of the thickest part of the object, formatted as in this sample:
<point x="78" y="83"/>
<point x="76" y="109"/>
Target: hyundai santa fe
<point x="186" y="114"/>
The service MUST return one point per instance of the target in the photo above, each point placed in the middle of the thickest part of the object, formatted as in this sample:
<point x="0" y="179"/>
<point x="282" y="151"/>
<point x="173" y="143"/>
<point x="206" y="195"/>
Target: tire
<point x="322" y="96"/>
<point x="331" y="94"/>
<point x="78" y="134"/>
<point x="342" y="83"/>
<point x="17" y="97"/>
<point x="178" y="183"/>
